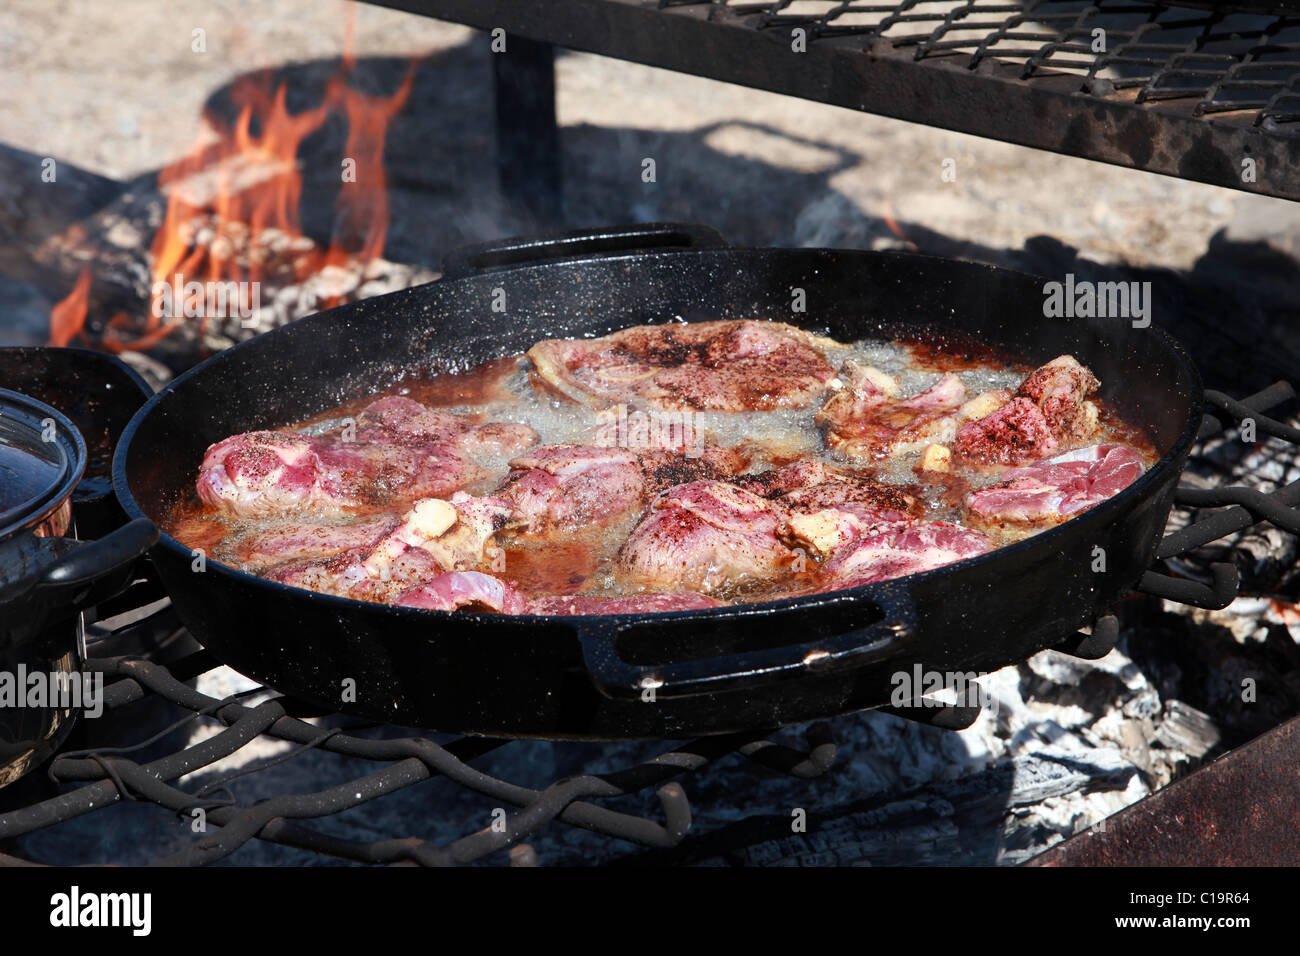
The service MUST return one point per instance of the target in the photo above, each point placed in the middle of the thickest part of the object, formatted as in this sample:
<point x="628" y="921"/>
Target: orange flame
<point x="223" y="196"/>
<point x="363" y="200"/>
<point x="69" y="314"/>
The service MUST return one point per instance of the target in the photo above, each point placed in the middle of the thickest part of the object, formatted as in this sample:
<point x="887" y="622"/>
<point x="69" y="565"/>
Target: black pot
<point x="46" y="580"/>
<point x="99" y="394"/>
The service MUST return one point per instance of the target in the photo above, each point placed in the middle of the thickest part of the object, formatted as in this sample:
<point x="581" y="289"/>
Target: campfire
<point x="230" y="258"/>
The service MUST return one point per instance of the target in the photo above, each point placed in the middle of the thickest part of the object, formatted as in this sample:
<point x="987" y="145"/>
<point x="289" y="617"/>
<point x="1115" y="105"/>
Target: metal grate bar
<point x="1187" y="93"/>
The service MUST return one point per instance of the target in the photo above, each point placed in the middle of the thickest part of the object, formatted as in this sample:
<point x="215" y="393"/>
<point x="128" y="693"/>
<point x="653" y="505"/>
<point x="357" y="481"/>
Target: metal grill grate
<point x="1192" y="93"/>
<point x="105" y="776"/>
<point x="1214" y="61"/>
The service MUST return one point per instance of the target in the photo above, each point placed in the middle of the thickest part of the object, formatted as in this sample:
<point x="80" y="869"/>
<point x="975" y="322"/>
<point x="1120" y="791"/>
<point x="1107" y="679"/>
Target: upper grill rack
<point x="1191" y="93"/>
<point x="1214" y="61"/>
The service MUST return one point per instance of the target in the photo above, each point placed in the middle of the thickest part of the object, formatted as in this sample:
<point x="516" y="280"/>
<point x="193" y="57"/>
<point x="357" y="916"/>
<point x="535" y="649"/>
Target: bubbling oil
<point x="504" y="391"/>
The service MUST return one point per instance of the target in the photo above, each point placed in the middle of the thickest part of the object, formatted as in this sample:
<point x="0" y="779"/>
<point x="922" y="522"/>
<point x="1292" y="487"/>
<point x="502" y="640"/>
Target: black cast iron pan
<point x="729" y="669"/>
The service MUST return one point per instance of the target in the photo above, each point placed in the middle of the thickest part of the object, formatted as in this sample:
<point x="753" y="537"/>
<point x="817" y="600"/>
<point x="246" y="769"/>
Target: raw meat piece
<point x="1053" y="490"/>
<point x="401" y="420"/>
<point x="347" y="575"/>
<point x="706" y="536"/>
<point x="866" y="419"/>
<point x="261" y="472"/>
<point x="636" y="604"/>
<point x="464" y="590"/>
<point x="721" y="366"/>
<point x="460" y="533"/>
<point x="398" y="451"/>
<point x="900" y="550"/>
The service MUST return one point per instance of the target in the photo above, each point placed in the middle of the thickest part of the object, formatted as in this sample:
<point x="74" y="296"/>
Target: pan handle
<point x="581" y="243"/>
<point x="836" y="651"/>
<point x="97" y="570"/>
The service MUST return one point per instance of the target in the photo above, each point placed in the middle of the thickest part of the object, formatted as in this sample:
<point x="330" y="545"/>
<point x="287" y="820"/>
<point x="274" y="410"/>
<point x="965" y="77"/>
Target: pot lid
<point x="42" y="457"/>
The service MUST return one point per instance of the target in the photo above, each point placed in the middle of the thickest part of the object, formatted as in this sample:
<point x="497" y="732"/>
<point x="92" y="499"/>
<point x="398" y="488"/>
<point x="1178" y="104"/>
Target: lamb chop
<point x="706" y="536"/>
<point x="311" y="540"/>
<point x="1050" y="408"/>
<point x="400" y="451"/>
<point x="826" y="508"/>
<point x="559" y="486"/>
<point x="1050" y="491"/>
<point x="262" y="472"/>
<point x="727" y="366"/>
<point x="569" y="486"/>
<point x="711" y="536"/>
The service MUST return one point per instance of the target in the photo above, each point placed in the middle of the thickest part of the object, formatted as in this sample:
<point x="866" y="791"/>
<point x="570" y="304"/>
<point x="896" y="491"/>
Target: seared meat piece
<point x="1016" y="432"/>
<point x="778" y="481"/>
<point x="1050" y="408"/>
<point x="727" y="366"/>
<point x="827" y="508"/>
<point x="308" y="540"/>
<point x="400" y="451"/>
<point x="567" y="486"/>
<point x="1060" y="388"/>
<point x="706" y="536"/>
<point x="464" y="590"/>
<point x="1050" y="491"/>
<point x="825" y="518"/>
<point x="459" y="534"/>
<point x="346" y="574"/>
<point x="900" y="550"/>
<point x="866" y="419"/>
<point x="636" y="604"/>
<point x="847" y="490"/>
<point x="433" y="537"/>
<point x="664" y="469"/>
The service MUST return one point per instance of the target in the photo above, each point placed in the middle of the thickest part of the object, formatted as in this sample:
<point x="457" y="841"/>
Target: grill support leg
<point x="528" y="141"/>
